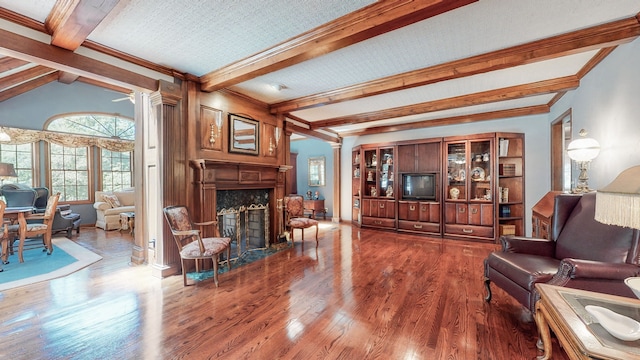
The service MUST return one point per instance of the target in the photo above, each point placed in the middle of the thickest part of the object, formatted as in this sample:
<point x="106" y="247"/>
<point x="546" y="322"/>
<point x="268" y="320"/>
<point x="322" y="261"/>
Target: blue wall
<point x="31" y="110"/>
<point x="314" y="148"/>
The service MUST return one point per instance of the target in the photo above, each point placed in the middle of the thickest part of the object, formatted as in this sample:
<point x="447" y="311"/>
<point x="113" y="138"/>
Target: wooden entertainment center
<point x="465" y="187"/>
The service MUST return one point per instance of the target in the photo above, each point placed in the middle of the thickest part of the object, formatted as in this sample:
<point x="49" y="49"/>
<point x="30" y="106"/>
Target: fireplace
<point x="244" y="217"/>
<point x="243" y="199"/>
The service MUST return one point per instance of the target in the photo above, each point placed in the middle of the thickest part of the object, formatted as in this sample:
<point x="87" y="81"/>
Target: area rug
<point x="67" y="257"/>
<point x="246" y="258"/>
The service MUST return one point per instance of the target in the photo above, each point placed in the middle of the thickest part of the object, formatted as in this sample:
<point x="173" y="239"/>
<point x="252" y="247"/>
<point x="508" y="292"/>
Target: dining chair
<point x="36" y="229"/>
<point x="294" y="216"/>
<point x="4" y="231"/>
<point x="191" y="244"/>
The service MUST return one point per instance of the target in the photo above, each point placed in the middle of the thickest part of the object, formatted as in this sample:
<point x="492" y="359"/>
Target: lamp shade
<point x="583" y="149"/>
<point x="7" y="171"/>
<point x="619" y="202"/>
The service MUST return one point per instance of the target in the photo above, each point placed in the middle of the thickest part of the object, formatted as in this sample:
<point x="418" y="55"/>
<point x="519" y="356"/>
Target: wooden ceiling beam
<point x="66" y="77"/>
<point x="9" y="63"/>
<point x="293" y="128"/>
<point x="71" y="21"/>
<point x="606" y="35"/>
<point x="24" y="76"/>
<point x="28" y="86"/>
<point x="462" y="119"/>
<point x="27" y="49"/>
<point x="120" y="89"/>
<point x="484" y="97"/>
<point x="373" y="20"/>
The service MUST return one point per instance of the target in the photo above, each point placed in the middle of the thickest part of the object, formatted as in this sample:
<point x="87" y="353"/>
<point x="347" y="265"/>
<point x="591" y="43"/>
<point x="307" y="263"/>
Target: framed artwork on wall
<point x="244" y="135"/>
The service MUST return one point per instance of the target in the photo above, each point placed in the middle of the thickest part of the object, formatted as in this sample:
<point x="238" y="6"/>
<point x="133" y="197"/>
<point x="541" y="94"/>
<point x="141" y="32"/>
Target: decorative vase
<point x="454" y="193"/>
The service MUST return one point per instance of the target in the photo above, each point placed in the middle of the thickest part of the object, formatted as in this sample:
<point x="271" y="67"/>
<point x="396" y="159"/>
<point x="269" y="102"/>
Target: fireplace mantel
<point x="236" y="176"/>
<point x="211" y="175"/>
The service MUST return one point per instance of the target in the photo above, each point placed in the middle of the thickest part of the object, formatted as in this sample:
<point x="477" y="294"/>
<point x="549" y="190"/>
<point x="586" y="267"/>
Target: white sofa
<point x="107" y="216"/>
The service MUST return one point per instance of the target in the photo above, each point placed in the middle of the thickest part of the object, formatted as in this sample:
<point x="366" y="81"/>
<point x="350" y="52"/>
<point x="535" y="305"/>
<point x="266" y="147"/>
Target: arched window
<point x="70" y="165"/>
<point x="111" y="126"/>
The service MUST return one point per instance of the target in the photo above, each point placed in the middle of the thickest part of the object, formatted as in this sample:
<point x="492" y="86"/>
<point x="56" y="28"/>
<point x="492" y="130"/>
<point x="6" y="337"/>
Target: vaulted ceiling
<point x="332" y="67"/>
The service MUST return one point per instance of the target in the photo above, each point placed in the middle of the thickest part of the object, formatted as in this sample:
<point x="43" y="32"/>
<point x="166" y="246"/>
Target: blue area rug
<point x="247" y="258"/>
<point x="67" y="257"/>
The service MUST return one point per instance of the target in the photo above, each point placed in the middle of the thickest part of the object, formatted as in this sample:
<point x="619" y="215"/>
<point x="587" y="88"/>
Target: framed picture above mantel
<point x="244" y="135"/>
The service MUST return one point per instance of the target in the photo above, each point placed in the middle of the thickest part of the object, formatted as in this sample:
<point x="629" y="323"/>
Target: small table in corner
<point x="562" y="310"/>
<point x="315" y="207"/>
<point x="127" y="221"/>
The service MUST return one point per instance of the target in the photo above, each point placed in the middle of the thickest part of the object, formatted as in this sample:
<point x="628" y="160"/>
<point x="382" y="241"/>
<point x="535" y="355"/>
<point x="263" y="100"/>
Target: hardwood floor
<point x="362" y="294"/>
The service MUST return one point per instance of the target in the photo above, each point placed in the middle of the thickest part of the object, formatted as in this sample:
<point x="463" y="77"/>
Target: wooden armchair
<point x="190" y="243"/>
<point x="36" y="229"/>
<point x="294" y="216"/>
<point x="581" y="253"/>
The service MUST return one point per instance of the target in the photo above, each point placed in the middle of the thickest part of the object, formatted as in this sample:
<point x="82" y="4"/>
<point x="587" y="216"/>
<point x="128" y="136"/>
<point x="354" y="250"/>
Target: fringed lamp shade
<point x="619" y="202"/>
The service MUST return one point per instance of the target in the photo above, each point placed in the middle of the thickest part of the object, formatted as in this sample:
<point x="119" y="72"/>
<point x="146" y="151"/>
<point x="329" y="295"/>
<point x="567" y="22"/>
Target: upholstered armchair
<point x="581" y="253"/>
<point x="191" y="244"/>
<point x="294" y="216"/>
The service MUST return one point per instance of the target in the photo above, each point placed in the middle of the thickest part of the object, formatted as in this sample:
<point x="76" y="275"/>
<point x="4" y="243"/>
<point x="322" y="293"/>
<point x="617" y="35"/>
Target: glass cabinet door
<point x="386" y="173"/>
<point x="370" y="173"/>
<point x="456" y="171"/>
<point x="480" y="170"/>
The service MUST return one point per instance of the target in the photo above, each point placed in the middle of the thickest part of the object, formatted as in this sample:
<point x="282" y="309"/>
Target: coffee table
<point x="562" y="310"/>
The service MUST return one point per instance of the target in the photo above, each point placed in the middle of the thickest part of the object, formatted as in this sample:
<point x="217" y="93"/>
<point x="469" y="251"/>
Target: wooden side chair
<point x="42" y="227"/>
<point x="294" y="216"/>
<point x="190" y="243"/>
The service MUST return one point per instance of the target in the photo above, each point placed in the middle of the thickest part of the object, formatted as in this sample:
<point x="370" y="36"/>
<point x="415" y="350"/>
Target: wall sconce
<point x="215" y="127"/>
<point x="272" y="146"/>
<point x="582" y="151"/>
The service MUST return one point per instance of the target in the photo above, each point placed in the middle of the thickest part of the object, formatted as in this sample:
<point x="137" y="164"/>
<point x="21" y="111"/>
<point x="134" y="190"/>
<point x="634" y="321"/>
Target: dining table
<point x="19" y="214"/>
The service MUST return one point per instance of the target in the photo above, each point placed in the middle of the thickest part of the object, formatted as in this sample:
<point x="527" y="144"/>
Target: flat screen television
<point x="419" y="186"/>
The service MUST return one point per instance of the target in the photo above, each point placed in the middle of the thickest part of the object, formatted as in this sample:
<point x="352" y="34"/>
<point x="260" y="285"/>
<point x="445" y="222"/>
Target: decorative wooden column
<point x="140" y="236"/>
<point x="165" y="174"/>
<point x="336" y="182"/>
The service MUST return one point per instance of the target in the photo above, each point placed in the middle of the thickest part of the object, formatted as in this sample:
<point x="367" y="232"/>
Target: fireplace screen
<point x="247" y="226"/>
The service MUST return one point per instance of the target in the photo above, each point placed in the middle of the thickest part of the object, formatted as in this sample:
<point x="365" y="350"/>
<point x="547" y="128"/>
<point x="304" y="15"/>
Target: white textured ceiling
<point x="198" y="37"/>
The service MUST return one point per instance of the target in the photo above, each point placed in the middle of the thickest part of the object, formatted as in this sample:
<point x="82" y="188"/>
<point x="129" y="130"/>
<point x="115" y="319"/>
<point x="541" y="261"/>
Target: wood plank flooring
<point x="362" y="294"/>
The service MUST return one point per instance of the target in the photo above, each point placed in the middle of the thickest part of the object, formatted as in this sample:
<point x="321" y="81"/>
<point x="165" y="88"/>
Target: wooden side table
<point x="315" y="206"/>
<point x="562" y="310"/>
<point x="127" y="221"/>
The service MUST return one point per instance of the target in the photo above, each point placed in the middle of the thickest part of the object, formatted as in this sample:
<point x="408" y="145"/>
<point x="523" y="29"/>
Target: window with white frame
<point x="21" y="156"/>
<point x="116" y="170"/>
<point x="69" y="170"/>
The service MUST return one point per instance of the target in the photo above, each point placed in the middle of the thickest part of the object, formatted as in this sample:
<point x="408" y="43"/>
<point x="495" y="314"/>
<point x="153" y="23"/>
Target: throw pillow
<point x="112" y="200"/>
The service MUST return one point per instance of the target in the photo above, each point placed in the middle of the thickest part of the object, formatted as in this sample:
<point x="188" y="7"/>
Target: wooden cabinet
<point x="356" y="186"/>
<point x="469" y="210"/>
<point x="510" y="192"/>
<point x="479" y="186"/>
<point x="419" y="216"/>
<point x="542" y="214"/>
<point x="415" y="215"/>
<point x="378" y="186"/>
